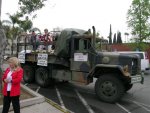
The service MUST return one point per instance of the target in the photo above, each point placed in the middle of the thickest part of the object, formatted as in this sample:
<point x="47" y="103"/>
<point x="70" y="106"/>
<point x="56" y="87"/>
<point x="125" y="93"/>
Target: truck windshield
<point x="82" y="44"/>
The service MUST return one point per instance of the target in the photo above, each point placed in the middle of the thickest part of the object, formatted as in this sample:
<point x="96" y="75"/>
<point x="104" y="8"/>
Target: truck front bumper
<point x="137" y="79"/>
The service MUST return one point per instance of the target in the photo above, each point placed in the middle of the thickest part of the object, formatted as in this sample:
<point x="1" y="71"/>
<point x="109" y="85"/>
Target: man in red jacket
<point x="12" y="78"/>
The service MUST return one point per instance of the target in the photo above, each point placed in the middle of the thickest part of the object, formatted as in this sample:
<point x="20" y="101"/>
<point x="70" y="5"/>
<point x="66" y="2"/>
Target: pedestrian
<point x="12" y="78"/>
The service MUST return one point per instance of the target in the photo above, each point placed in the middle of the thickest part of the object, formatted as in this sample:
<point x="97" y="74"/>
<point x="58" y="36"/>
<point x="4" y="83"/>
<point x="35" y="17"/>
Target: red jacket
<point x="46" y="38"/>
<point x="16" y="80"/>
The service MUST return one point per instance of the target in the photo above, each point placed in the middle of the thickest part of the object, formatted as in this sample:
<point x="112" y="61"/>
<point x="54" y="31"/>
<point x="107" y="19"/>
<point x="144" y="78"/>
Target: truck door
<point x="82" y="55"/>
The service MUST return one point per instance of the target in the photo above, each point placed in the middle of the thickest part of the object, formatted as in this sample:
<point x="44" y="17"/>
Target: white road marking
<point x="26" y="84"/>
<point x="84" y="102"/>
<point x="37" y="90"/>
<point x="122" y="107"/>
<point x="141" y="105"/>
<point x="60" y="99"/>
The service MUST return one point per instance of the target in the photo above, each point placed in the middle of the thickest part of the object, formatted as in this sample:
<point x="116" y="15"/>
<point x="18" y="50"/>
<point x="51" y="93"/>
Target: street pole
<point x="0" y="9"/>
<point x="0" y="52"/>
<point x="139" y="43"/>
<point x="2" y="46"/>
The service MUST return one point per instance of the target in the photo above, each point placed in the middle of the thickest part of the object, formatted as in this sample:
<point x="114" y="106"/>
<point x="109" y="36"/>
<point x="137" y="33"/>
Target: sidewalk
<point x="37" y="104"/>
<point x="43" y="107"/>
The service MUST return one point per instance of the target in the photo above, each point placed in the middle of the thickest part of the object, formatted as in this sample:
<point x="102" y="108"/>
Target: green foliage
<point x="119" y="39"/>
<point x="7" y="30"/>
<point x="36" y="30"/>
<point x="26" y="24"/>
<point x="14" y="19"/>
<point x="10" y="26"/>
<point x="138" y="19"/>
<point x="142" y="46"/>
<point x="29" y="6"/>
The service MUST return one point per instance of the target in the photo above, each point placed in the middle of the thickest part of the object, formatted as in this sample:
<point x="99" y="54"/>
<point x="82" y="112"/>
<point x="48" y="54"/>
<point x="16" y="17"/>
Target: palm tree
<point x="6" y="25"/>
<point x="12" y="26"/>
<point x="14" y="18"/>
<point x="36" y="30"/>
<point x="26" y="24"/>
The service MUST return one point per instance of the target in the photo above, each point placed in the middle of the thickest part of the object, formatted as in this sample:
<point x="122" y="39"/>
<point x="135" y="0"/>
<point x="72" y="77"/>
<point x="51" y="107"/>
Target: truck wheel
<point x="42" y="77"/>
<point x="28" y="75"/>
<point x="109" y="88"/>
<point x="128" y="87"/>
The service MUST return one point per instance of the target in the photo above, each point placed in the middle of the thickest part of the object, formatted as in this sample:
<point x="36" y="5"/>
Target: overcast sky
<point x="81" y="14"/>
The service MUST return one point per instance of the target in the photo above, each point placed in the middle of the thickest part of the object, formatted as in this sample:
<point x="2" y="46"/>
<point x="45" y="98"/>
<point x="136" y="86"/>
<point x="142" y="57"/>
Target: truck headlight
<point x="126" y="70"/>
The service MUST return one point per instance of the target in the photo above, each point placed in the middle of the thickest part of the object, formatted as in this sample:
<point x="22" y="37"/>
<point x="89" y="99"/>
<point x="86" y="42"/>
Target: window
<point x="82" y="44"/>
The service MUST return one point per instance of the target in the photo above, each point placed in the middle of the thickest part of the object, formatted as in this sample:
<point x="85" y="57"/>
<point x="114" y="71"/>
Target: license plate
<point x="136" y="79"/>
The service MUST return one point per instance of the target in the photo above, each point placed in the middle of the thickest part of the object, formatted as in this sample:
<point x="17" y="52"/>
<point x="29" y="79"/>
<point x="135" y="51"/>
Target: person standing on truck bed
<point x="34" y="40"/>
<point x="47" y="39"/>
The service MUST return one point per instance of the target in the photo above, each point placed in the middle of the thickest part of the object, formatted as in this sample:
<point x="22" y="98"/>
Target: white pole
<point x="0" y="9"/>
<point x="2" y="46"/>
<point x="0" y="51"/>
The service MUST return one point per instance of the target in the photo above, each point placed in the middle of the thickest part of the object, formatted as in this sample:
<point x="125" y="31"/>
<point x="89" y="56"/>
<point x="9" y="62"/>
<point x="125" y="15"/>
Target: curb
<point x="57" y="106"/>
<point x="38" y="98"/>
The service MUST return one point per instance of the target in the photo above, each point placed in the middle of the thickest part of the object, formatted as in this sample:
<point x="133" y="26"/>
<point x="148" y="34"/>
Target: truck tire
<point x="128" y="87"/>
<point x="109" y="89"/>
<point x="28" y="75"/>
<point x="42" y="77"/>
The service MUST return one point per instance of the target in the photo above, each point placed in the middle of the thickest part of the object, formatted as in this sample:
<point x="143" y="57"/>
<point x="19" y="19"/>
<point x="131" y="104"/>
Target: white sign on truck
<point x="21" y="57"/>
<point x="42" y="59"/>
<point x="80" y="57"/>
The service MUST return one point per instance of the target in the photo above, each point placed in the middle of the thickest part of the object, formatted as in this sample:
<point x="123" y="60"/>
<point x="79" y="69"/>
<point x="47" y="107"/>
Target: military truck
<point x="76" y="59"/>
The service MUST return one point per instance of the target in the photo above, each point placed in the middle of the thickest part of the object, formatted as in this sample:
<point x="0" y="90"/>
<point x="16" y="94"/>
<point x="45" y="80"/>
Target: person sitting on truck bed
<point x="47" y="39"/>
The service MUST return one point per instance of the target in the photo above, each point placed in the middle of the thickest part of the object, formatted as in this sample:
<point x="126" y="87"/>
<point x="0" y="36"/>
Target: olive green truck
<point x="75" y="59"/>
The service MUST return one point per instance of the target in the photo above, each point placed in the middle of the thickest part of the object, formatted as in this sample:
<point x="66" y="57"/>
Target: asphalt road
<point x="82" y="99"/>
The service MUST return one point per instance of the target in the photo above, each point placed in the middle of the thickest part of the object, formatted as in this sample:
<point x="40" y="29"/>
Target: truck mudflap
<point x="137" y="79"/>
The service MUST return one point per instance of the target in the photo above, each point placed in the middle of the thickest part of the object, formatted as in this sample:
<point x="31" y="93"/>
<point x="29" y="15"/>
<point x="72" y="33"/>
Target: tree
<point x="29" y="6"/>
<point x="12" y="29"/>
<point x="114" y="39"/>
<point x="7" y="28"/>
<point x="138" y="19"/>
<point x="26" y="24"/>
<point x="110" y="36"/>
<point x="36" y="30"/>
<point x="119" y="40"/>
